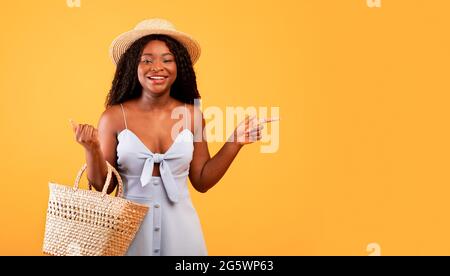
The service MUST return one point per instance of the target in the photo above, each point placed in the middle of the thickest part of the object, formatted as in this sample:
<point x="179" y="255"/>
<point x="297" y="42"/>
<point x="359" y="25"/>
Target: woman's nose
<point x="155" y="68"/>
<point x="157" y="65"/>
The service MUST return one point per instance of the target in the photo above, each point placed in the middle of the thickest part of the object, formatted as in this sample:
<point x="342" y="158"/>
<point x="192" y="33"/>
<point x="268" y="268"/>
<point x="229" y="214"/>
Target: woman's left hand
<point x="249" y="130"/>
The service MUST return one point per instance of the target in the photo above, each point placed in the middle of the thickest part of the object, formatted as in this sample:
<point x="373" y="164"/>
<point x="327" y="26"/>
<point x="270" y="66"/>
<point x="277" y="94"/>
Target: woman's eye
<point x="146" y="61"/>
<point x="169" y="60"/>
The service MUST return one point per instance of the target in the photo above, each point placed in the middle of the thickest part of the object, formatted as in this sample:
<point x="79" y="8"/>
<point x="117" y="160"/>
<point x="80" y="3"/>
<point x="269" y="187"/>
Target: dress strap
<point x="124" y="117"/>
<point x="186" y="116"/>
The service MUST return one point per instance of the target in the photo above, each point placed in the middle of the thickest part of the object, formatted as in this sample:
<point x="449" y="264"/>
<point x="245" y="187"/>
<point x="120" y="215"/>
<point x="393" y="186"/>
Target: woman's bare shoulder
<point x="111" y="120"/>
<point x="196" y="117"/>
<point x="193" y="109"/>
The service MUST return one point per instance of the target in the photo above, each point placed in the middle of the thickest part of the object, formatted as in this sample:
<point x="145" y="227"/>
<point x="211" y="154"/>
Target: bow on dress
<point x="166" y="175"/>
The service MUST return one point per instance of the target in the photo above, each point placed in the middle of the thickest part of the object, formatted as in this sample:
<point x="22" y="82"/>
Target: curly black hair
<point x="126" y="86"/>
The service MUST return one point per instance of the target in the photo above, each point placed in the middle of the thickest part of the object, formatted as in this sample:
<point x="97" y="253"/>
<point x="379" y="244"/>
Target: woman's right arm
<point x="100" y="146"/>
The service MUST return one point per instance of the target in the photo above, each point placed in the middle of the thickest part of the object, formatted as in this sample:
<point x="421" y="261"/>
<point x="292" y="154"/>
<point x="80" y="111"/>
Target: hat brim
<point x="121" y="43"/>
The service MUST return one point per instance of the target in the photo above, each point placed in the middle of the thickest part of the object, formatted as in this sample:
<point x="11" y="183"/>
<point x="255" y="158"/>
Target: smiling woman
<point x="154" y="78"/>
<point x="155" y="58"/>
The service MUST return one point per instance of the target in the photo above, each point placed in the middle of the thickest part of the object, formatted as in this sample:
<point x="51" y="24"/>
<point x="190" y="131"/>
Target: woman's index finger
<point x="268" y="120"/>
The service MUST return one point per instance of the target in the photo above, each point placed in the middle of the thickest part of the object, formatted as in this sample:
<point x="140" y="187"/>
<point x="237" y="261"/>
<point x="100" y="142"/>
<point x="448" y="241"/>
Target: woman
<point x="153" y="152"/>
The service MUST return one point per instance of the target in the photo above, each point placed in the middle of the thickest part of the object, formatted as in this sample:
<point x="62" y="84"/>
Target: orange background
<point x="363" y="96"/>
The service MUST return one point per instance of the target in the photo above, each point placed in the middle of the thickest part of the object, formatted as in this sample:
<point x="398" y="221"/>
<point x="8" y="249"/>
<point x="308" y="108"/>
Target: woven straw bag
<point x="87" y="223"/>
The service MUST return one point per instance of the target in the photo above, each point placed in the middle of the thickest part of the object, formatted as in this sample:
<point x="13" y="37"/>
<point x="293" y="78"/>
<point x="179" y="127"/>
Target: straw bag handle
<point x="111" y="170"/>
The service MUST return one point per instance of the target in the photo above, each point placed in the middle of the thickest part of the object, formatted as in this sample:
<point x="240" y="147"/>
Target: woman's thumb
<point x="74" y="125"/>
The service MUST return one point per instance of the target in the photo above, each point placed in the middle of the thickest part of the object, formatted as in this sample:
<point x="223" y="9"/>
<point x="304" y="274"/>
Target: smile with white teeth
<point x="156" y="78"/>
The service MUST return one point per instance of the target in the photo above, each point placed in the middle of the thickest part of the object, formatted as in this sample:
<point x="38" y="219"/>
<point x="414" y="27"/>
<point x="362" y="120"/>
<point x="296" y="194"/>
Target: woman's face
<point x="157" y="69"/>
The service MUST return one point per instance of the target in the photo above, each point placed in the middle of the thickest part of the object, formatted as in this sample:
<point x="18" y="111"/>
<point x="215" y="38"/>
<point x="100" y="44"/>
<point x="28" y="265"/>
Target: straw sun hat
<point x="153" y="26"/>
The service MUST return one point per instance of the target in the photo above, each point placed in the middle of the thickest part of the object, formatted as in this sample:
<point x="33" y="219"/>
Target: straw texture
<point x="89" y="223"/>
<point x="153" y="26"/>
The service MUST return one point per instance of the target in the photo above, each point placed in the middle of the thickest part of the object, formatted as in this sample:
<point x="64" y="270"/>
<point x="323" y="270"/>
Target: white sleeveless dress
<point x="172" y="226"/>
